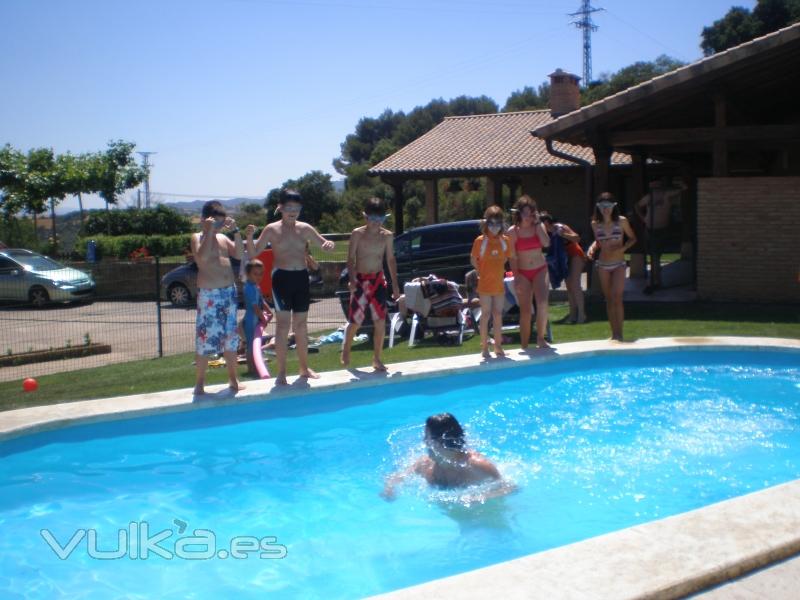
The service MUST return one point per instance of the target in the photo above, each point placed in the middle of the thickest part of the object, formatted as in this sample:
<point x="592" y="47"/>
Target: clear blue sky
<point x="237" y="96"/>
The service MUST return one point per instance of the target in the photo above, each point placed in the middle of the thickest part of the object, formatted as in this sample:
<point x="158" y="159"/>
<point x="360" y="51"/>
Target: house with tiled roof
<point x="730" y="124"/>
<point x="500" y="148"/>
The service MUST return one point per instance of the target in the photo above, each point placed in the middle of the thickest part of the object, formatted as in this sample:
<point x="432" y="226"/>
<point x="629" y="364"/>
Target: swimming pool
<point x="595" y="444"/>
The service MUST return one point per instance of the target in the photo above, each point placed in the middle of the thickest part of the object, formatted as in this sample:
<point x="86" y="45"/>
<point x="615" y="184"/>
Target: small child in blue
<point x="256" y="309"/>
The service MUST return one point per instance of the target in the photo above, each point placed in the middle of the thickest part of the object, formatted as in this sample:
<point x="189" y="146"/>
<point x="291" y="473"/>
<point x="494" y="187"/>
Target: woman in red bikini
<point x="577" y="264"/>
<point x="610" y="231"/>
<point x="528" y="237"/>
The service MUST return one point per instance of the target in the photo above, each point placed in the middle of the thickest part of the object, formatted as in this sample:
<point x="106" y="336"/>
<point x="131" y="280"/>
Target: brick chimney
<point x="565" y="95"/>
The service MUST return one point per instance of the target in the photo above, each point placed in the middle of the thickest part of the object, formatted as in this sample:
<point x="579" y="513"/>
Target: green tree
<point x="114" y="170"/>
<point x="76" y="174"/>
<point x="628" y="76"/>
<point x="318" y="194"/>
<point x="161" y="220"/>
<point x="529" y="98"/>
<point x="740" y="25"/>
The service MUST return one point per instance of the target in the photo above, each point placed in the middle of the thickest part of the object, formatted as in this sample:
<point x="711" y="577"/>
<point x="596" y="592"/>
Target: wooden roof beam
<point x="703" y="135"/>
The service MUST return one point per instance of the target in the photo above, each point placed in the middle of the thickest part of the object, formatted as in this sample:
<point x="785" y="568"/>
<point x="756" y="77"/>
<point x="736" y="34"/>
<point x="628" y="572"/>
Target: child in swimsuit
<point x="256" y="309"/>
<point x="490" y="251"/>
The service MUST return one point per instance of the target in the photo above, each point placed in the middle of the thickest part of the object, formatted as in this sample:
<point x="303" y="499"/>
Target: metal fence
<point x="128" y="318"/>
<point x="132" y="314"/>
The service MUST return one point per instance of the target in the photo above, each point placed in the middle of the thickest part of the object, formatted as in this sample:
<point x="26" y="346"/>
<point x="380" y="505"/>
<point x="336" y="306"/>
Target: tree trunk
<point x="53" y="225"/>
<point x="108" y="219"/>
<point x="80" y="207"/>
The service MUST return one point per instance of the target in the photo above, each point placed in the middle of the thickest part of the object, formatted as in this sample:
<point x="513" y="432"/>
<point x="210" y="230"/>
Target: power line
<point x="587" y="25"/>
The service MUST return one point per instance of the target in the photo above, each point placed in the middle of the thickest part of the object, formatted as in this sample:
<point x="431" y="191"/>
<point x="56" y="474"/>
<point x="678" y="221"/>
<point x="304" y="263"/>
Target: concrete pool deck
<point x="667" y="558"/>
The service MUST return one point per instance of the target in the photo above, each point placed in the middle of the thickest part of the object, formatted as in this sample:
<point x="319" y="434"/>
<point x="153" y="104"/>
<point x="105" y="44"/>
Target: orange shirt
<point x="491" y="266"/>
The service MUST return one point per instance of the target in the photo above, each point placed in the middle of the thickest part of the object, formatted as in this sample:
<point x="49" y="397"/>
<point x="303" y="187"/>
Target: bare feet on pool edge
<point x="499" y="351"/>
<point x="485" y="354"/>
<point x="236" y="387"/>
<point x="281" y="380"/>
<point x="542" y="343"/>
<point x="344" y="358"/>
<point x="199" y="391"/>
<point x="309" y="374"/>
<point x="378" y="366"/>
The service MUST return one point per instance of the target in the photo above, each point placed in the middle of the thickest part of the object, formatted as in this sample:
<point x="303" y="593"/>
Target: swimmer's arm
<point x="396" y="479"/>
<point x="503" y="488"/>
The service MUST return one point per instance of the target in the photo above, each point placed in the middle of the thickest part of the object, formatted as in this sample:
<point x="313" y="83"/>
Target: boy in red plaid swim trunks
<point x="369" y="245"/>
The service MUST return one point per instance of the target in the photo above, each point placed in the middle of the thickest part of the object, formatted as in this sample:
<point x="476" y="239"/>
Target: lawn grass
<point x="642" y="320"/>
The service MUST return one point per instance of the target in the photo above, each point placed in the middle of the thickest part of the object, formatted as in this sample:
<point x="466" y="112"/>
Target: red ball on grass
<point x="30" y="385"/>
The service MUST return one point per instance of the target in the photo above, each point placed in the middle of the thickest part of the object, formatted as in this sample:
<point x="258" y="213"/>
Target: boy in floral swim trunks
<point x="217" y="299"/>
<point x="369" y="245"/>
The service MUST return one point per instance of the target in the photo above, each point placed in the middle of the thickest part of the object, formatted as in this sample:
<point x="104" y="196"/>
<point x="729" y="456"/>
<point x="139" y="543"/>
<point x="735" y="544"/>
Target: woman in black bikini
<point x="610" y="232"/>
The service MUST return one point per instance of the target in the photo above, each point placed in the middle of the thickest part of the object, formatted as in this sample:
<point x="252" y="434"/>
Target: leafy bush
<point x="160" y="220"/>
<point x="122" y="246"/>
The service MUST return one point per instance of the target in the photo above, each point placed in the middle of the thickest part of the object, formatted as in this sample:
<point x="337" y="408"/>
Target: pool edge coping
<point x="25" y="421"/>
<point x="666" y="558"/>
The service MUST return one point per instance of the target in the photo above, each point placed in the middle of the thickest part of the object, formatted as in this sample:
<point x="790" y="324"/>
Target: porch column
<point x="639" y="176"/>
<point x="494" y="191"/>
<point x="512" y="192"/>
<point x="431" y="201"/>
<point x="397" y="202"/>
<point x="720" y="150"/>
<point x="602" y="158"/>
<point x="688" y="213"/>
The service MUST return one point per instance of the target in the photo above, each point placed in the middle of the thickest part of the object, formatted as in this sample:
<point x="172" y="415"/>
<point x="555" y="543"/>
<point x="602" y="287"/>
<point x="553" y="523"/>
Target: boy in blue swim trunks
<point x="216" y="293"/>
<point x="291" y="294"/>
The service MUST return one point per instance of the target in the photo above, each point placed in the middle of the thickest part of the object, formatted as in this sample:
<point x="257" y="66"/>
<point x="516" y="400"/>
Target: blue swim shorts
<point x="216" y="320"/>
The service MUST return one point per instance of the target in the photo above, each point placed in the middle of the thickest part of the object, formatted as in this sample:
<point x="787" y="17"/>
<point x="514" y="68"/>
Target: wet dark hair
<point x="289" y="195"/>
<point x="445" y="429"/>
<point x="374" y="206"/>
<point x="213" y="208"/>
<point x="597" y="215"/>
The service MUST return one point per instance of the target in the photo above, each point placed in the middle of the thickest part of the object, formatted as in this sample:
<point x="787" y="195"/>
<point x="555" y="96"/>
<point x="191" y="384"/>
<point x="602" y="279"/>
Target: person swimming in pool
<point x="449" y="463"/>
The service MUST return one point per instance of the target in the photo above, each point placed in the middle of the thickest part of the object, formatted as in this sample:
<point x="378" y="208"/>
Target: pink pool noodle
<point x="258" y="357"/>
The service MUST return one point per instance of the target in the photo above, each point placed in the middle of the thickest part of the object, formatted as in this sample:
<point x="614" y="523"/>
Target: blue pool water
<point x="594" y="445"/>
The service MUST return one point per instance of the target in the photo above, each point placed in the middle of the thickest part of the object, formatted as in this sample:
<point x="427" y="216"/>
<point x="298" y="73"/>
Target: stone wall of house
<point x="748" y="230"/>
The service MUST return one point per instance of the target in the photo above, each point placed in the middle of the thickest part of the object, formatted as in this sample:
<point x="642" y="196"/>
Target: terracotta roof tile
<point x="493" y="142"/>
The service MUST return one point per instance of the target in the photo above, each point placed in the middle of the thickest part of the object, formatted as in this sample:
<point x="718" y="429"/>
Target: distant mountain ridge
<point x="192" y="207"/>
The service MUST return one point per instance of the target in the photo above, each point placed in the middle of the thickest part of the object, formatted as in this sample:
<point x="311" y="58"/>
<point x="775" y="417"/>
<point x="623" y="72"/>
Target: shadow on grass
<point x="701" y="311"/>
